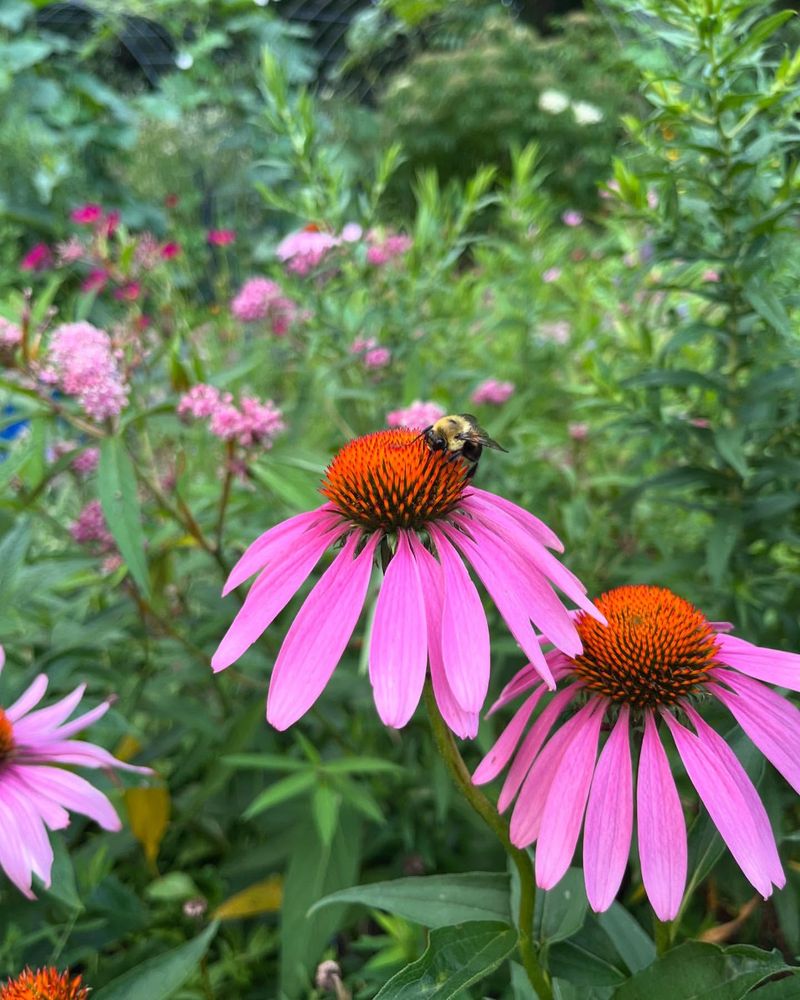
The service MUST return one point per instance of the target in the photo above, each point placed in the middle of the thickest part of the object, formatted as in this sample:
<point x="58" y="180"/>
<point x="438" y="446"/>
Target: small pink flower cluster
<point x="38" y="258"/>
<point x="10" y="336"/>
<point x="493" y="392"/>
<point x="90" y="527"/>
<point x="82" y="362"/>
<point x="418" y="414"/>
<point x="551" y="274"/>
<point x="558" y="331"/>
<point x="304" y="250"/>
<point x="251" y="423"/>
<point x="85" y="463"/>
<point x="385" y="248"/>
<point x="373" y="355"/>
<point x="262" y="299"/>
<point x="572" y="218"/>
<point x="221" y="237"/>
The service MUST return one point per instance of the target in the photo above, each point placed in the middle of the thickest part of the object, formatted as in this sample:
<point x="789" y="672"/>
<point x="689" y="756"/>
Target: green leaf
<point x="63" y="886"/>
<point x="159" y="978"/>
<point x="588" y="959"/>
<point x="116" y="483"/>
<point x="769" y="307"/>
<point x="721" y="542"/>
<point x="729" y="442"/>
<point x="697" y="970"/>
<point x="13" y="549"/>
<point x="561" y="911"/>
<point x="635" y="946"/>
<point x="325" y="804"/>
<point x="783" y="989"/>
<point x="282" y="790"/>
<point x="456" y="958"/>
<point x="434" y="900"/>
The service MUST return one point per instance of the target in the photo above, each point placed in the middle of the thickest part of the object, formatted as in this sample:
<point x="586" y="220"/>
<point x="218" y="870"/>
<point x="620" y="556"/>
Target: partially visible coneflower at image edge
<point x="649" y="671"/>
<point x="389" y="495"/>
<point x="44" y="984"/>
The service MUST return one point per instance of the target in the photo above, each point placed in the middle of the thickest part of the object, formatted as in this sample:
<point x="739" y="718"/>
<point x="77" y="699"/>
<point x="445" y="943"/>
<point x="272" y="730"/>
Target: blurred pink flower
<point x="418" y="414"/>
<point x="385" y="248"/>
<point x="38" y="258"/>
<point x="652" y="199"/>
<point x="108" y="225"/>
<point x="81" y="360"/>
<point x="578" y="431"/>
<point x="170" y="250"/>
<point x="702" y="422"/>
<point x="557" y="331"/>
<point x="377" y="357"/>
<point x="390" y="485"/>
<point x="90" y="527"/>
<point x="95" y="280"/>
<point x="351" y="233"/>
<point x="656" y="661"/>
<point x="171" y="200"/>
<point x="493" y="392"/>
<point x="36" y="789"/>
<point x="710" y="275"/>
<point x="303" y="250"/>
<point x="260" y="299"/>
<point x="221" y="237"/>
<point x="87" y="214"/>
<point x="129" y="292"/>
<point x="201" y="401"/>
<point x="85" y="463"/>
<point x="572" y="218"/>
<point x="10" y="336"/>
<point x="551" y="274"/>
<point x="250" y="423"/>
<point x="70" y="251"/>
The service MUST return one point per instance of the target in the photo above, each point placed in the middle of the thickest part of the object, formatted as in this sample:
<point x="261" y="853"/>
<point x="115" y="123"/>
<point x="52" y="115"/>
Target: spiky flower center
<point x="656" y="649"/>
<point x="6" y="737"/>
<point x="392" y="479"/>
<point x="45" y="984"/>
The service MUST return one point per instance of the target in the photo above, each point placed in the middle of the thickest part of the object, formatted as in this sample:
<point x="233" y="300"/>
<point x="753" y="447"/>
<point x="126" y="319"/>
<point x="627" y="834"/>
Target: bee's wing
<point x="491" y="443"/>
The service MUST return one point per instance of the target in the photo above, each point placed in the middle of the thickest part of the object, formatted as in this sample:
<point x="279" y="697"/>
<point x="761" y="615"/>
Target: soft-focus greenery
<point x="655" y="352"/>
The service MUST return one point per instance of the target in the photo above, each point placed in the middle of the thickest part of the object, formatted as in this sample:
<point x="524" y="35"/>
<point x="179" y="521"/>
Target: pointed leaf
<point x="116" y="484"/>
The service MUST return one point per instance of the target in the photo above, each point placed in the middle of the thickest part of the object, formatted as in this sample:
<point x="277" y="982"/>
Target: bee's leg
<point x="472" y="470"/>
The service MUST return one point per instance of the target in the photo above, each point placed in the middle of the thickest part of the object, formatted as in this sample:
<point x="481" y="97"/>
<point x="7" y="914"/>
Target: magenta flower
<point x="201" y="401"/>
<point x="36" y="791"/>
<point x="95" y="280"/>
<point x="170" y="250"/>
<point x="221" y="237"/>
<point x="250" y="423"/>
<point x="419" y="414"/>
<point x="87" y="215"/>
<point x="493" y="392"/>
<point x="129" y="292"/>
<point x="654" y="662"/>
<point x="386" y="248"/>
<point x="262" y="299"/>
<point x="38" y="258"/>
<point x="82" y="361"/>
<point x="85" y="463"/>
<point x="305" y="249"/>
<point x="389" y="491"/>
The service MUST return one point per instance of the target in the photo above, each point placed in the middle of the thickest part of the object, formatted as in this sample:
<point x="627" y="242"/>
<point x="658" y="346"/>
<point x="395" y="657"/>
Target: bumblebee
<point x="460" y="436"/>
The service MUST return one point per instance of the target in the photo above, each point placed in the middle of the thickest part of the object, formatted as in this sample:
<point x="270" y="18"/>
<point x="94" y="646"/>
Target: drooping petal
<point x="276" y="541"/>
<point x="489" y="502"/>
<point x="270" y="594"/>
<point x="532" y="744"/>
<point x="562" y="816"/>
<point x="526" y="819"/>
<point x="465" y="631"/>
<point x="661" y="827"/>
<point x="2" y="659"/>
<point x="45" y="719"/>
<point x="71" y="792"/>
<point x="81" y="722"/>
<point x="29" y="698"/>
<point x="463" y="724"/>
<point x="609" y="818"/>
<point x="771" y="721"/>
<point x="495" y="578"/>
<point x="77" y="752"/>
<point x="398" y="649"/>
<point x="527" y="678"/>
<point x="500" y="754"/>
<point x="13" y="856"/>
<point x="38" y="852"/>
<point x="733" y="812"/>
<point x="771" y="665"/>
<point x="53" y="815"/>
<point x="319" y="634"/>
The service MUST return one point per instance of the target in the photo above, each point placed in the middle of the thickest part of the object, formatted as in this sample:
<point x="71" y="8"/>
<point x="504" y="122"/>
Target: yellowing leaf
<point x="260" y="897"/>
<point x="148" y="813"/>
<point x="127" y="747"/>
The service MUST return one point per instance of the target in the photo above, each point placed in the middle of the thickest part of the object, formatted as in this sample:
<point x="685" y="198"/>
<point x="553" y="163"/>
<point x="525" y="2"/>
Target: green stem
<point x="449" y="753"/>
<point x="662" y="933"/>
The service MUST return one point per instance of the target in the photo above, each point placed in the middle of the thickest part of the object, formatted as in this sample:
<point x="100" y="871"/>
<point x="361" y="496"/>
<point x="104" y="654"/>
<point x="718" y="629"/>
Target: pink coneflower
<point x="492" y="392"/>
<point x="389" y="492"/>
<point x="305" y="249"/>
<point x="38" y="258"/>
<point x="655" y="662"/>
<point x="420" y="413"/>
<point x="87" y="215"/>
<point x="35" y="789"/>
<point x="221" y="237"/>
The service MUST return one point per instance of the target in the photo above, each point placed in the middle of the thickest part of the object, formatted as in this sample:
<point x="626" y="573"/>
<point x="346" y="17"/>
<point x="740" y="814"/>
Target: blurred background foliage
<point x="602" y="210"/>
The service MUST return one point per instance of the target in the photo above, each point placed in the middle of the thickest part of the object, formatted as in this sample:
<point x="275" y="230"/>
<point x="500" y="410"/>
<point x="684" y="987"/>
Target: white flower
<point x="586" y="113"/>
<point x="553" y="102"/>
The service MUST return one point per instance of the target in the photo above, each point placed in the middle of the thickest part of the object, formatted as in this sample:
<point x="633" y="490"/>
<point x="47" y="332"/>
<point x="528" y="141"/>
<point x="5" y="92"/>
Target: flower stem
<point x="446" y="746"/>
<point x="662" y="934"/>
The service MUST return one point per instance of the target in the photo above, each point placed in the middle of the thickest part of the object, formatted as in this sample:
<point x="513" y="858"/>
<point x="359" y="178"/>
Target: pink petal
<point x="319" y="634"/>
<point x="2" y="659"/>
<point x="29" y="699"/>
<point x="721" y="626"/>
<point x="463" y="724"/>
<point x="532" y="744"/>
<point x="36" y="724"/>
<point x="661" y="827"/>
<point x="77" y="752"/>
<point x="771" y="722"/>
<point x="465" y="632"/>
<point x="562" y="816"/>
<point x="13" y="855"/>
<point x="71" y="792"/>
<point x="489" y="502"/>
<point x="53" y="815"/>
<point x="82" y="721"/>
<point x="771" y="665"/>
<point x="270" y="594"/>
<point x="38" y="852"/>
<point x="502" y="587"/>
<point x="276" y="542"/>
<point x="529" y="677"/>
<point x="735" y="810"/>
<point x="398" y="649"/>
<point x="500" y="754"/>
<point x="609" y="818"/>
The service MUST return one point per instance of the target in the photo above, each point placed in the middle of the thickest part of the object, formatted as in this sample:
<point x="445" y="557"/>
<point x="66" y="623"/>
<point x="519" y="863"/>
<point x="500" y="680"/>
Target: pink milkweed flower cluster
<point x="82" y="362"/>
<point x="572" y="218"/>
<point x="261" y="299"/>
<point x="90" y="528"/>
<point x="10" y="337"/>
<point x="389" y="491"/>
<point x="373" y="355"/>
<point x="643" y="675"/>
<point x="85" y="463"/>
<point x="221" y="237"/>
<point x="36" y="791"/>
<point x="420" y="414"/>
<point x="384" y="248"/>
<point x="493" y="392"/>
<point x="250" y="423"/>
<point x="305" y="249"/>
<point x="70" y="251"/>
<point x="38" y="258"/>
